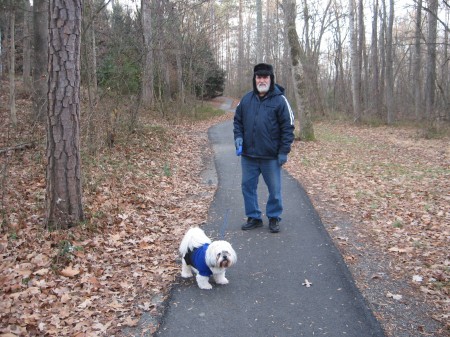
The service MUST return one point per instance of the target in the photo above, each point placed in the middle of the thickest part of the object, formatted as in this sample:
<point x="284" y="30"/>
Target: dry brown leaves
<point x="395" y="188"/>
<point x="97" y="278"/>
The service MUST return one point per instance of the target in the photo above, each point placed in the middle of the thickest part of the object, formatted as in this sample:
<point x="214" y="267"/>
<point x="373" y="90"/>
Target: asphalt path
<point x="267" y="294"/>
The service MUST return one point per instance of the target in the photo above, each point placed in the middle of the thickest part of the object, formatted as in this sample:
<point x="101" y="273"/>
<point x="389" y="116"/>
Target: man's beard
<point x="263" y="88"/>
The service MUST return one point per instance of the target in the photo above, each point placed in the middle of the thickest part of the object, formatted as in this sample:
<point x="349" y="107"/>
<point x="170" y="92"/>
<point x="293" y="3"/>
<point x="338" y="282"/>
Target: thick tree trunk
<point x="300" y="85"/>
<point x="64" y="192"/>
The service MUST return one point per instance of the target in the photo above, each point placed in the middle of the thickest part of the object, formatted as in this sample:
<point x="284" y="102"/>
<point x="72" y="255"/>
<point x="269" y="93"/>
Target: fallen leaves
<point x="395" y="189"/>
<point x="396" y="297"/>
<point x="97" y="278"/>
<point x="69" y="272"/>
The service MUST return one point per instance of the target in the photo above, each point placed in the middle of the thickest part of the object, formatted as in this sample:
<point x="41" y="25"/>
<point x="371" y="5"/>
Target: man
<point x="263" y="134"/>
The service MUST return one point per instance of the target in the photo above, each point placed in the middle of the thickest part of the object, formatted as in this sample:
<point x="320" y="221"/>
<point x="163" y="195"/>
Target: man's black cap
<point x="263" y="69"/>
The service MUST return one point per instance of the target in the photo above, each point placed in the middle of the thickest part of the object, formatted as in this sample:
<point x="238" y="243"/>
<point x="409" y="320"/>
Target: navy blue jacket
<point x="265" y="124"/>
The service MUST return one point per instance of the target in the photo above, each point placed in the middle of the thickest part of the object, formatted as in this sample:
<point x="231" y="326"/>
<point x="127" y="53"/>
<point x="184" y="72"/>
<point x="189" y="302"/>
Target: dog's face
<point x="220" y="254"/>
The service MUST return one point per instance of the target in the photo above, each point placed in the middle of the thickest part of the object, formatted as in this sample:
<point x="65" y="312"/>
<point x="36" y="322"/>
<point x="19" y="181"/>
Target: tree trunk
<point x="309" y="60"/>
<point x="356" y="74"/>
<point x="259" y="34"/>
<point x="40" y="49"/>
<point x="93" y="59"/>
<point x="362" y="56"/>
<point x="390" y="66"/>
<point x="64" y="192"/>
<point x="375" y="104"/>
<point x="382" y="46"/>
<point x="430" y="83"/>
<point x="300" y="85"/>
<point x="341" y="97"/>
<point x="90" y="68"/>
<point x="12" y="68"/>
<point x="26" y="47"/>
<point x="417" y="83"/>
<point x="147" y="72"/>
<point x="1" y="53"/>
<point x="240" y="50"/>
<point x="445" y="73"/>
<point x="180" y="77"/>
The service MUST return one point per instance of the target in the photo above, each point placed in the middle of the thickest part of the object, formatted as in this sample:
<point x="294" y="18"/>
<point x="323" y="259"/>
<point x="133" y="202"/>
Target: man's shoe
<point x="251" y="224"/>
<point x="274" y="225"/>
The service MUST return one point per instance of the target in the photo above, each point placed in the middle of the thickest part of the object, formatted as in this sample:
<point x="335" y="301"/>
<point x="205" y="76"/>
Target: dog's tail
<point x="194" y="238"/>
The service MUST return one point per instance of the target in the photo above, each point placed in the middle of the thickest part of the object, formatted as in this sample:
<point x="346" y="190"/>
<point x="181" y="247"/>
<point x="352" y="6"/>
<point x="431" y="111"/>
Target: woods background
<point x="374" y="60"/>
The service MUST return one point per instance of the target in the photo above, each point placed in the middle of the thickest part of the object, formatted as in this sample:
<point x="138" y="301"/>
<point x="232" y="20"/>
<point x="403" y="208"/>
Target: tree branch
<point x="18" y="147"/>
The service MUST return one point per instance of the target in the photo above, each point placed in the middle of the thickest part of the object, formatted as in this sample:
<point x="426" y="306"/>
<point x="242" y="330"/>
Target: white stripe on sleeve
<point x="291" y="113"/>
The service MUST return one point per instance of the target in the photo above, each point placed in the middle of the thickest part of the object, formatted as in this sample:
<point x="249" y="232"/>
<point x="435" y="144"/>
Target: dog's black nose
<point x="225" y="257"/>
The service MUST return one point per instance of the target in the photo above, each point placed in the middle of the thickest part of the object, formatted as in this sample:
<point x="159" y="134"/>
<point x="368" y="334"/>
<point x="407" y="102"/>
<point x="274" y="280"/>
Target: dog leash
<point x="227" y="211"/>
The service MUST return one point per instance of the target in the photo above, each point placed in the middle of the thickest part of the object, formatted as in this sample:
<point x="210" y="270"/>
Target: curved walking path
<point x="266" y="295"/>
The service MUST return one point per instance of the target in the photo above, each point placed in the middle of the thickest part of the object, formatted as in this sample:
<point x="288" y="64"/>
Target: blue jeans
<point x="271" y="172"/>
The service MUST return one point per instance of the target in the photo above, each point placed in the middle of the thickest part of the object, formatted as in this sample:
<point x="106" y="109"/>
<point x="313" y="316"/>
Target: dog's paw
<point x="222" y="280"/>
<point x="205" y="286"/>
<point x="186" y="274"/>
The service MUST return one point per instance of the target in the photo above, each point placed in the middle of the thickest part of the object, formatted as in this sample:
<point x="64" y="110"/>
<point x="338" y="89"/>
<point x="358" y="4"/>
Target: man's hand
<point x="238" y="145"/>
<point x="238" y="142"/>
<point x="282" y="159"/>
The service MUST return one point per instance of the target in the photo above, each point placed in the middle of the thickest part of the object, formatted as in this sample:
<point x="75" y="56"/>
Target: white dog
<point x="205" y="258"/>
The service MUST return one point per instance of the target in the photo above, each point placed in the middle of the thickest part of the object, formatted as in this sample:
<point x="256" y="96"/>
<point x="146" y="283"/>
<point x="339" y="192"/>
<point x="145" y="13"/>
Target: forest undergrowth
<point x="383" y="193"/>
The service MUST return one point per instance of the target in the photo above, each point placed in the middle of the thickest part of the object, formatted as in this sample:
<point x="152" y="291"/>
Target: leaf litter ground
<point x="383" y="194"/>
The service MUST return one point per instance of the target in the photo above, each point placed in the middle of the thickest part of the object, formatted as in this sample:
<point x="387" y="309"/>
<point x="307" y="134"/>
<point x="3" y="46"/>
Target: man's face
<point x="262" y="83"/>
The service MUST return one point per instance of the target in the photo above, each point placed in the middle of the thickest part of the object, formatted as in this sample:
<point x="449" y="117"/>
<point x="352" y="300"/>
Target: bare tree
<point x="430" y="80"/>
<point x="382" y="53"/>
<point x="362" y="57"/>
<point x="300" y="85"/>
<point x="259" y="32"/>
<point x="27" y="46"/>
<point x="445" y="71"/>
<point x="417" y="62"/>
<point x="355" y="62"/>
<point x="64" y="193"/>
<point x="310" y="52"/>
<point x="12" y="67"/>
<point x="40" y="38"/>
<point x="147" y="69"/>
<point x="389" y="94"/>
<point x="375" y="104"/>
<point x="341" y="95"/>
<point x="240" y="48"/>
